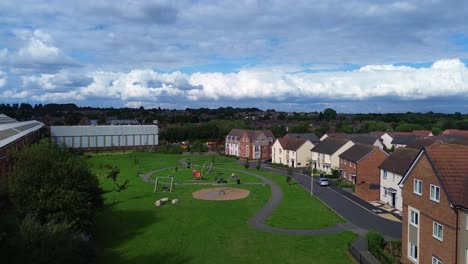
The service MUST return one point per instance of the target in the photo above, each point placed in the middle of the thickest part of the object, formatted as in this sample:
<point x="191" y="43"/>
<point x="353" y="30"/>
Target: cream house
<point x="325" y="156"/>
<point x="392" y="171"/>
<point x="292" y="151"/>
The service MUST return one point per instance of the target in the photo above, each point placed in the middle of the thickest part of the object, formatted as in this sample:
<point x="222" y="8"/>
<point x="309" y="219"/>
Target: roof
<point x="357" y="152"/>
<point x="330" y="145"/>
<point x="455" y="132"/>
<point x="236" y="133"/>
<point x="268" y="133"/>
<point x="368" y="139"/>
<point x="451" y="164"/>
<point x="400" y="161"/>
<point x="422" y="133"/>
<point x="10" y="132"/>
<point x="419" y="143"/>
<point x="291" y="143"/>
<point x="108" y="130"/>
<point x="6" y="119"/>
<point x="404" y="139"/>
<point x="338" y="135"/>
<point x="309" y="136"/>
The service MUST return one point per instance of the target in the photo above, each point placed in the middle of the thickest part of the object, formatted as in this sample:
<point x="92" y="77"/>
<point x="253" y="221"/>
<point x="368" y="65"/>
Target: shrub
<point x="376" y="244"/>
<point x="247" y="164"/>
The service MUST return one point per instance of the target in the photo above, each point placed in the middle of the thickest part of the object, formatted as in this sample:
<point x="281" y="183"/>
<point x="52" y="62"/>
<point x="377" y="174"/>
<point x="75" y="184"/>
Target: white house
<point x="392" y="171"/>
<point x="325" y="156"/>
<point x="292" y="151"/>
<point x="232" y="142"/>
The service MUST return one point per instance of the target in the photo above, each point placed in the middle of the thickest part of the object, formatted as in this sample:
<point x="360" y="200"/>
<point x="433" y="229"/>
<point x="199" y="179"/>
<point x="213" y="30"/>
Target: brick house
<point x="325" y="156"/>
<point x="359" y="165"/>
<point x="392" y="170"/>
<point x="435" y="206"/>
<point x="256" y="144"/>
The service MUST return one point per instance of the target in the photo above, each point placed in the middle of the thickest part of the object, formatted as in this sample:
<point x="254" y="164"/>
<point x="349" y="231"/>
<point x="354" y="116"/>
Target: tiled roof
<point x="368" y="139"/>
<point x="291" y="143"/>
<point x="400" y="161"/>
<point x="451" y="163"/>
<point x="404" y="139"/>
<point x="455" y="132"/>
<point x="357" y="152"/>
<point x="330" y="145"/>
<point x="419" y="143"/>
<point x="268" y="133"/>
<point x="309" y="136"/>
<point x="422" y="133"/>
<point x="237" y="133"/>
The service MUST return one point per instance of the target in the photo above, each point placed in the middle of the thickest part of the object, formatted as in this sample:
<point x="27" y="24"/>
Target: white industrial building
<point x="105" y="137"/>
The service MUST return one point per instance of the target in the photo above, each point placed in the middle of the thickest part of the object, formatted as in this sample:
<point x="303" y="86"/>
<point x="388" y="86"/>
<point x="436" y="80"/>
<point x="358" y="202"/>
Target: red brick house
<point x="256" y="144"/>
<point x="359" y="165"/>
<point x="435" y="206"/>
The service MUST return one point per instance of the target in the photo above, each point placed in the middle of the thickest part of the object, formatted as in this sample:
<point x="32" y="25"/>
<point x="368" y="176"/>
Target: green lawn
<point x="130" y="229"/>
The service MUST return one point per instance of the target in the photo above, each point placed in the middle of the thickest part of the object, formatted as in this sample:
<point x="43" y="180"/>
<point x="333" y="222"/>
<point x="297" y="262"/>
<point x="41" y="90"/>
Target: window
<point x="385" y="174"/>
<point x="413" y="252"/>
<point x="385" y="192"/>
<point x="414" y="218"/>
<point x="351" y="164"/>
<point x="436" y="260"/>
<point x="435" y="193"/>
<point x="344" y="174"/>
<point x="417" y="187"/>
<point x="344" y="162"/>
<point x="437" y="231"/>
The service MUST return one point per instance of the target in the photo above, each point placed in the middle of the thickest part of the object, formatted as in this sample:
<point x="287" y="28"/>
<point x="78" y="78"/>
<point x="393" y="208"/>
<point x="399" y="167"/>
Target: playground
<point x="221" y="194"/>
<point x="130" y="229"/>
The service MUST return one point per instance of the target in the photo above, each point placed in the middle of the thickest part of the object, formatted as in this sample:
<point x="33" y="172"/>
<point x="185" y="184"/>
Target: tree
<point x="329" y="114"/>
<point x="113" y="174"/>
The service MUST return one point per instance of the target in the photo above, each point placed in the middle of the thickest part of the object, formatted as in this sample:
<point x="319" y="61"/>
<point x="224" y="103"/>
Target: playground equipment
<point x="163" y="183"/>
<point x="210" y="165"/>
<point x="196" y="174"/>
<point x="199" y="174"/>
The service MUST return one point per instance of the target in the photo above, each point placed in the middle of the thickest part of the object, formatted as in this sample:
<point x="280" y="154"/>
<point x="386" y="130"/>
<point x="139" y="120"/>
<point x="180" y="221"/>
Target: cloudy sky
<point x="353" y="56"/>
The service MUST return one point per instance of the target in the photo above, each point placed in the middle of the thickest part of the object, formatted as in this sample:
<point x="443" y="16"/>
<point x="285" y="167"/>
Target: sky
<point x="352" y="56"/>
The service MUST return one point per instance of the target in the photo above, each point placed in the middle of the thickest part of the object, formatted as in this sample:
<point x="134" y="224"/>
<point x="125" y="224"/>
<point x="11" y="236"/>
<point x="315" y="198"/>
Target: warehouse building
<point x="106" y="138"/>
<point x="15" y="136"/>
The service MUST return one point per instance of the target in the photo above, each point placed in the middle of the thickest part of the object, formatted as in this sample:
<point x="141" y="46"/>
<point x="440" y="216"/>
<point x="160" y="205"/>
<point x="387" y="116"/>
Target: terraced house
<point x="435" y="206"/>
<point x="325" y="156"/>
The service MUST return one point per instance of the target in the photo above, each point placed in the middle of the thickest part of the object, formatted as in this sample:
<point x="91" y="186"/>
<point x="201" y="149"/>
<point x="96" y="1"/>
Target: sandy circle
<point x="221" y="194"/>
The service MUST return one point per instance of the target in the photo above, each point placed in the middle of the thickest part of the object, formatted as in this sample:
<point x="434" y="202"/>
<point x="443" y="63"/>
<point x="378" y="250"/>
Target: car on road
<point x="323" y="182"/>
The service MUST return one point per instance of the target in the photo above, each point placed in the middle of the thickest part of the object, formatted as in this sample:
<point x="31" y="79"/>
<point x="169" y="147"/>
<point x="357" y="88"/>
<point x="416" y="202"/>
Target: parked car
<point x="323" y="182"/>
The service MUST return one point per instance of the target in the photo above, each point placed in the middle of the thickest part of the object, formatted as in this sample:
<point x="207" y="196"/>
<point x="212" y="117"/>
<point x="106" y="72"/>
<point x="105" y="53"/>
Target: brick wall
<point x="368" y="176"/>
<point x="429" y="211"/>
<point x="346" y="168"/>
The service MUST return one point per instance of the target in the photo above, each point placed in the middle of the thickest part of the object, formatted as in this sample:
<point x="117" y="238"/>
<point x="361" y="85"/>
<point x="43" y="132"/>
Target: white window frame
<point x="436" y="232"/>
<point x="413" y="249"/>
<point x="416" y="190"/>
<point x="384" y="174"/>
<point x="433" y="192"/>
<point x="385" y="192"/>
<point x="414" y="218"/>
<point x="436" y="260"/>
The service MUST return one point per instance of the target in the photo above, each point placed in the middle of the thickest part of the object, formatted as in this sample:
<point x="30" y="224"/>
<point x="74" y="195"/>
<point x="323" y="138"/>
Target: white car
<point x="323" y="181"/>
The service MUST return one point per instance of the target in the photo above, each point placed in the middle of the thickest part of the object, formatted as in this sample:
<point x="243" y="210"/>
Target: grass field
<point x="130" y="229"/>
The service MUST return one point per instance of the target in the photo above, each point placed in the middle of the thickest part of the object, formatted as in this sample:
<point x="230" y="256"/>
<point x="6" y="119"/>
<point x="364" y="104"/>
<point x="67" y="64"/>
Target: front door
<point x="292" y="163"/>
<point x="393" y="200"/>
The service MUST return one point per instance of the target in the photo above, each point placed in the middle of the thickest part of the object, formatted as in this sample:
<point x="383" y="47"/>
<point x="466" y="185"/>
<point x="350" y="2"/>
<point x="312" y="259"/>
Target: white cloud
<point x="3" y="79"/>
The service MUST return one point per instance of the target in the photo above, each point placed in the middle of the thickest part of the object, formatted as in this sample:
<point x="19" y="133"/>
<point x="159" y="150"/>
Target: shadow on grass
<point x="116" y="227"/>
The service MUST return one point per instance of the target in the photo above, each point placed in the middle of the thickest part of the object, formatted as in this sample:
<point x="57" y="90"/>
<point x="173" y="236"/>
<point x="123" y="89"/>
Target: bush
<point x="247" y="164"/>
<point x="376" y="244"/>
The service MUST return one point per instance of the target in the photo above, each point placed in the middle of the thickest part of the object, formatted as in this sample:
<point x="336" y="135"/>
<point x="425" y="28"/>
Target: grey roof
<point x="400" y="161"/>
<point x="330" y="145"/>
<point x="4" y="119"/>
<point x="357" y="152"/>
<point x="309" y="136"/>
<point x="404" y="139"/>
<point x="368" y="139"/>
<point x="9" y="132"/>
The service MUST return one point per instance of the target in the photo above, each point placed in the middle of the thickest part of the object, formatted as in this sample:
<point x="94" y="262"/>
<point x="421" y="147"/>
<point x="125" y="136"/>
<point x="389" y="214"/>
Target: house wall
<point x="391" y="182"/>
<point x="303" y="154"/>
<point x="261" y="147"/>
<point x="335" y="157"/>
<point x="463" y="237"/>
<point x="348" y="168"/>
<point x="387" y="140"/>
<point x="245" y="147"/>
<point x="368" y="176"/>
<point x="277" y="156"/>
<point x="430" y="211"/>
<point x="322" y="161"/>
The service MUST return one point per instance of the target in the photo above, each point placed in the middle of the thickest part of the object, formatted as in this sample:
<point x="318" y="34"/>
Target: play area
<point x="221" y="194"/>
